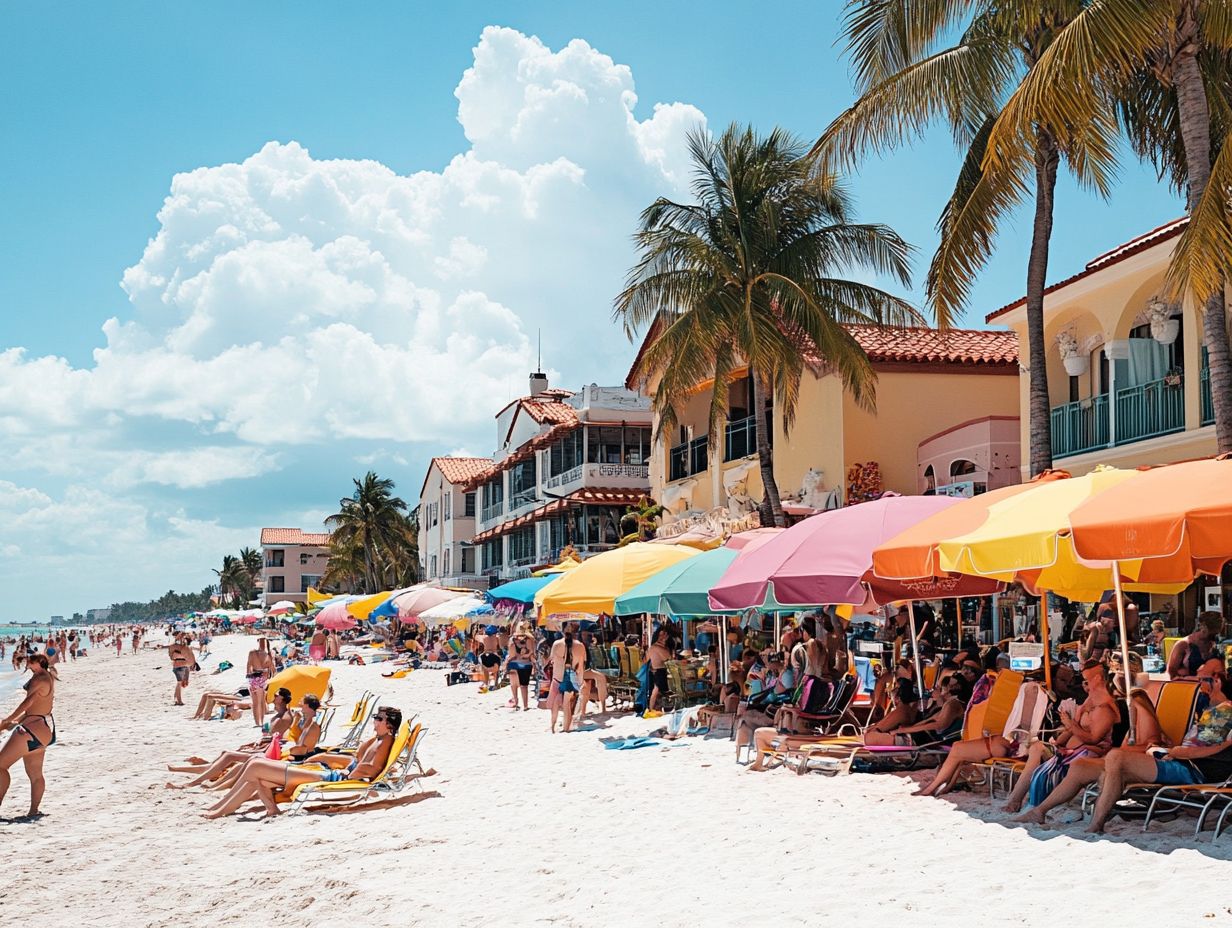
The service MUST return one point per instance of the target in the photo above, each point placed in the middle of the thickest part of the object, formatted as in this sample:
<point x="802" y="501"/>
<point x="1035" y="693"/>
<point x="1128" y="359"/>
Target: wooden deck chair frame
<point x="389" y="782"/>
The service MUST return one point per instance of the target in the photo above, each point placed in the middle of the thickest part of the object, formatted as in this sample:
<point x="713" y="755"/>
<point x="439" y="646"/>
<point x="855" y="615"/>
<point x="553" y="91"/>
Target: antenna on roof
<point x="538" y="382"/>
<point x="539" y="359"/>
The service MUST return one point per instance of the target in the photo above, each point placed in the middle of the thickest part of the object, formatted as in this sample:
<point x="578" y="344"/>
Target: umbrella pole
<point x="915" y="657"/>
<point x="778" y="629"/>
<point x="1047" y="636"/>
<point x="1120" y="598"/>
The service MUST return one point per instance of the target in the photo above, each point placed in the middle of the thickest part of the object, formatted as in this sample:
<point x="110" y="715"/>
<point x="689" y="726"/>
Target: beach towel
<point x="1051" y="772"/>
<point x="642" y="699"/>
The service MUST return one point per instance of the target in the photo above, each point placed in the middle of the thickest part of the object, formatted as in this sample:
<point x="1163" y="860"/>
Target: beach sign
<point x="1026" y="655"/>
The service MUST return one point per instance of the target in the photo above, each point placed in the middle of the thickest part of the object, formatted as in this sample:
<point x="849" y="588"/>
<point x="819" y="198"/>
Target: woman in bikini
<point x="34" y="731"/>
<point x="521" y="660"/>
<point x="262" y="779"/>
<point x="316" y="647"/>
<point x="284" y="723"/>
<point x="260" y="670"/>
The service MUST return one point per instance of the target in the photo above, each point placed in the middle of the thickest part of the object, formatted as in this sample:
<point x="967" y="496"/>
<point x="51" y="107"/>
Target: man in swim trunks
<point x="489" y="658"/>
<point x="657" y="656"/>
<point x="181" y="662"/>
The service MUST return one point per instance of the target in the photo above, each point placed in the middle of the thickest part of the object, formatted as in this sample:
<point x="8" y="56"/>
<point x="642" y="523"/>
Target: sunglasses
<point x="379" y="718"/>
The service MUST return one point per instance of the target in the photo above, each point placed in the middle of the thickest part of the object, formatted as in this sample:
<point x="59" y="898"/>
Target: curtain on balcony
<point x="1148" y="360"/>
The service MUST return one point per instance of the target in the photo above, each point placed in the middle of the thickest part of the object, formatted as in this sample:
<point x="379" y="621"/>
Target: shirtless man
<point x="1097" y="635"/>
<point x="1191" y="652"/>
<point x="489" y="658"/>
<point x="181" y="664"/>
<point x="657" y="656"/>
<point x="568" y="657"/>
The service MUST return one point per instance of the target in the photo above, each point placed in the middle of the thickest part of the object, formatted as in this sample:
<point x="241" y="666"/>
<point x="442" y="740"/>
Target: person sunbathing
<point x="211" y="701"/>
<point x="262" y="778"/>
<point x="1089" y="729"/>
<point x="942" y="724"/>
<point x="1088" y="770"/>
<point x="301" y="727"/>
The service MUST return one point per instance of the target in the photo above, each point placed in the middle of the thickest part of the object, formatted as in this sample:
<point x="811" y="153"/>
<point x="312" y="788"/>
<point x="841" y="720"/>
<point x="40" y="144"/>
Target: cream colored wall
<point x="912" y="406"/>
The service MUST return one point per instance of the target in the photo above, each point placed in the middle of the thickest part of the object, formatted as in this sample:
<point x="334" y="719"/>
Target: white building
<point x="447" y="515"/>
<point x="567" y="466"/>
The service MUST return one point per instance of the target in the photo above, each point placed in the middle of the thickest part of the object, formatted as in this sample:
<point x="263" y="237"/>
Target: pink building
<point x="971" y="457"/>
<point x="291" y="561"/>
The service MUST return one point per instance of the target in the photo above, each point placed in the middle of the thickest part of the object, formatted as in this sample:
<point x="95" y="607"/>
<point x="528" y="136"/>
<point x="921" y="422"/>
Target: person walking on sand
<point x="34" y="730"/>
<point x="316" y="647"/>
<point x="520" y="661"/>
<point x="489" y="658"/>
<point x="181" y="663"/>
<point x="260" y="670"/>
<point x="568" y="658"/>
<point x="657" y="656"/>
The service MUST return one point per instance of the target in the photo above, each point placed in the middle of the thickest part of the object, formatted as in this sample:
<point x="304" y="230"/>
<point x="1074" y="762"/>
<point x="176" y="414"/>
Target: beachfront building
<point x="946" y="421"/>
<point x="291" y="561"/>
<point x="1127" y="374"/>
<point x="566" y="468"/>
<point x="447" y="513"/>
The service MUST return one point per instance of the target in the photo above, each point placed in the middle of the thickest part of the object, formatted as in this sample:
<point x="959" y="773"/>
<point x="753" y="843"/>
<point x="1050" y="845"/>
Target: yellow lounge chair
<point x="403" y="755"/>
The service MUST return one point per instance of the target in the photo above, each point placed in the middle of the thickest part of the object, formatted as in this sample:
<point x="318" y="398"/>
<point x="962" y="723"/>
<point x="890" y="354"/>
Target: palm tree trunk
<point x="1195" y="118"/>
<point x="771" y="506"/>
<point x="1039" y="406"/>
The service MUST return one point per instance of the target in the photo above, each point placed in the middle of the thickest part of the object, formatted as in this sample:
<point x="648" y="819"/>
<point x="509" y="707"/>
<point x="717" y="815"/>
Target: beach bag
<point x="274" y="751"/>
<point x="814" y="695"/>
<point x="457" y="676"/>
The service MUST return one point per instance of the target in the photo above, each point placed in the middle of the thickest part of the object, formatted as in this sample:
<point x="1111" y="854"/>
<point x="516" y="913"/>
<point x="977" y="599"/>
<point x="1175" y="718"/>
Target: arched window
<point x="961" y="468"/>
<point x="930" y="478"/>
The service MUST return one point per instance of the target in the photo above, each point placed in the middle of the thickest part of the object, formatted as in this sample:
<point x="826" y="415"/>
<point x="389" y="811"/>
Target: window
<point x="961" y="468"/>
<point x="930" y="479"/>
<point x="432" y="566"/>
<point x="303" y="558"/>
<point x="604" y="445"/>
<point x="522" y="544"/>
<point x="493" y="553"/>
<point x="469" y="511"/>
<point x="468" y="561"/>
<point x="274" y="557"/>
<point x="449" y="505"/>
<point x="637" y="446"/>
<point x="434" y="509"/>
<point x="445" y="563"/>
<point x="277" y="584"/>
<point x="307" y="580"/>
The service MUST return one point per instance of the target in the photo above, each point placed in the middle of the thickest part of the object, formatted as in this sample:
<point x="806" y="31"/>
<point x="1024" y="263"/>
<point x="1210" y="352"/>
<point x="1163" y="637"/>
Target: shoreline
<point x="525" y="827"/>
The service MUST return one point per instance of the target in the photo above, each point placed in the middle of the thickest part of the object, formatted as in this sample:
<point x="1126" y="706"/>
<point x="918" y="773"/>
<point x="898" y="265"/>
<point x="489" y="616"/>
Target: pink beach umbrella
<point x="335" y="617"/>
<point x="827" y="560"/>
<point x="411" y="603"/>
<point x="246" y="618"/>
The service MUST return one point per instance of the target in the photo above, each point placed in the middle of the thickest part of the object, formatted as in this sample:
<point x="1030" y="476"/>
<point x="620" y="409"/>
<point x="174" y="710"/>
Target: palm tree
<point x="751" y="273"/>
<point x="639" y="522"/>
<point x="374" y="522"/>
<point x="909" y="77"/>
<point x="1164" y="63"/>
<point x="344" y="571"/>
<point x="230" y="578"/>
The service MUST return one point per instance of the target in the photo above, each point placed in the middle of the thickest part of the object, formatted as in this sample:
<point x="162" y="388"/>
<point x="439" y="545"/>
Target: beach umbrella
<point x="565" y="564"/>
<point x="361" y="607"/>
<point x="518" y="596"/>
<point x="451" y="610"/>
<point x="413" y="602"/>
<point x="301" y="680"/>
<point x="387" y="609"/>
<point x="335" y="617"/>
<point x="682" y="588"/>
<point x="827" y="559"/>
<point x="247" y="618"/>
<point x="592" y="587"/>
<point x="282" y="607"/>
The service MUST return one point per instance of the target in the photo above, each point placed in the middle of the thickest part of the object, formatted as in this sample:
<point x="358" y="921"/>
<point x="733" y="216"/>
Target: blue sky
<point x="107" y="103"/>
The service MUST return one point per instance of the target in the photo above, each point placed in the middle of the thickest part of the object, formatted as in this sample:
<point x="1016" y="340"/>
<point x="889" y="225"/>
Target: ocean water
<point x="16" y="631"/>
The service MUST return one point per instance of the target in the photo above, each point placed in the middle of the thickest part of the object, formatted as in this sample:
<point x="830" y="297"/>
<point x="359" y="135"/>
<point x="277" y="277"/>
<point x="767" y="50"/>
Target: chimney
<point x="538" y="383"/>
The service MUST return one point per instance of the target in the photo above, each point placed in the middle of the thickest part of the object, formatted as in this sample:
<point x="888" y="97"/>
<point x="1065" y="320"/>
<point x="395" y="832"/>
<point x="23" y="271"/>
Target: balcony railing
<point x="1149" y="409"/>
<point x="740" y="438"/>
<point x="1145" y="411"/>
<point x="1208" y="405"/>
<point x="602" y="474"/>
<point x="488" y="513"/>
<point x="523" y="499"/>
<point x="689" y="458"/>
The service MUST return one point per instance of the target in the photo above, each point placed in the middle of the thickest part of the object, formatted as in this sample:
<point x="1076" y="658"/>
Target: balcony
<point x="1145" y="411"/>
<point x="689" y="458"/>
<point x="466" y="581"/>
<point x="523" y="501"/>
<point x="493" y="512"/>
<point x="606" y="475"/>
<point x="740" y="438"/>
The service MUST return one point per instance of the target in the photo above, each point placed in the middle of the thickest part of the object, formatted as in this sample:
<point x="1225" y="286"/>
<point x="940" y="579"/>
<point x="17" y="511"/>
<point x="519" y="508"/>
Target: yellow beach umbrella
<point x="1026" y="537"/>
<point x="566" y="564"/>
<point x="592" y="587"/>
<point x="362" y="608"/>
<point x="316" y="596"/>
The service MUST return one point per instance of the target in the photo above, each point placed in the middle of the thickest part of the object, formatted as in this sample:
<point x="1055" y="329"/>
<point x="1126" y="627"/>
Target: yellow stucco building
<point x="931" y="388"/>
<point x="1127" y="375"/>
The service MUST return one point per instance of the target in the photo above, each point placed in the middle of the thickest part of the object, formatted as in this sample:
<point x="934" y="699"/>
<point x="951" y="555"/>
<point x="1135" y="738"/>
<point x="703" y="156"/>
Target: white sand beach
<point x="520" y="827"/>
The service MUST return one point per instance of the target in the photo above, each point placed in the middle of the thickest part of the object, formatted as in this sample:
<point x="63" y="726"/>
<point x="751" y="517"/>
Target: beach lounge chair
<point x="1174" y="707"/>
<point x="403" y="755"/>
<point x="1023" y="725"/>
<point x="682" y="692"/>
<point x="365" y="706"/>
<point x="830" y="725"/>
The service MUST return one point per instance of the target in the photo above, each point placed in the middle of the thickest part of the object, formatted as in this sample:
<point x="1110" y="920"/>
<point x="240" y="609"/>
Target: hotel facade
<point x="291" y="561"/>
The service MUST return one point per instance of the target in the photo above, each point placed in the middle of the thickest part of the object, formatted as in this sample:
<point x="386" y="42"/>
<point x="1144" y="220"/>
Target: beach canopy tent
<point x="301" y="680"/>
<point x="681" y="589"/>
<point x="827" y="560"/>
<point x="410" y="604"/>
<point x="592" y="588"/>
<point x="518" y="596"/>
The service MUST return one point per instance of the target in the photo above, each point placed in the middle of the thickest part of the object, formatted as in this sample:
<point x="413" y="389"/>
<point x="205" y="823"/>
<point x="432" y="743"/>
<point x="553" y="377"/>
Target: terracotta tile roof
<point x="1134" y="246"/>
<point x="594" y="496"/>
<point x="907" y="346"/>
<point x="553" y="409"/>
<point x="293" y="536"/>
<point x="461" y="470"/>
<point x="931" y="346"/>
